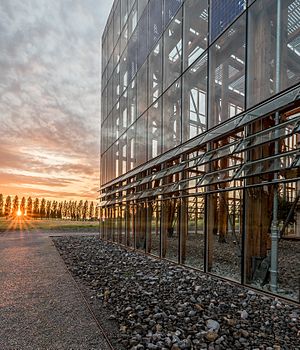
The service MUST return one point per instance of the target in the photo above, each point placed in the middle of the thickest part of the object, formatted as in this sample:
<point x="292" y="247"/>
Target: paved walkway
<point x="40" y="306"/>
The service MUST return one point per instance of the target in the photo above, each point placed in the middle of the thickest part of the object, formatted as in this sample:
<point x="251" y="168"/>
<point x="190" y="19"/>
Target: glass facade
<point x="200" y="136"/>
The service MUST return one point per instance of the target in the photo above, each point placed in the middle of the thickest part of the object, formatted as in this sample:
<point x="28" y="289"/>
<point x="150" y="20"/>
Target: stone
<point x="211" y="336"/>
<point x="213" y="325"/>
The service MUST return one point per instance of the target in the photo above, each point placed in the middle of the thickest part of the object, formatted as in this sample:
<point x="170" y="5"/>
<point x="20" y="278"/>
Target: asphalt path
<point x="40" y="304"/>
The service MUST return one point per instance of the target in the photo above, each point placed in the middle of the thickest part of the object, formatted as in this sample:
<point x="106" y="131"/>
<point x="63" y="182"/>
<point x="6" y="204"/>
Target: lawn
<point x="47" y="224"/>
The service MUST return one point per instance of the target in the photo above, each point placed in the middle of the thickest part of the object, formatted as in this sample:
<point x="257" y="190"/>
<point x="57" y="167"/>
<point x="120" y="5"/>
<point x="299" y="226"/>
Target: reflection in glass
<point x="170" y="230"/>
<point x="154" y="129"/>
<point x="195" y="30"/>
<point x="193" y="247"/>
<point x="155" y="73"/>
<point x="173" y="50"/>
<point x="227" y="74"/>
<point x="172" y="116"/>
<point x="225" y="234"/>
<point x="153" y="235"/>
<point x="194" y="99"/>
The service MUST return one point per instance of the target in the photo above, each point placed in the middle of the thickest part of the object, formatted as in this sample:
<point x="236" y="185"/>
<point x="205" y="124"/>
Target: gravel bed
<point x="144" y="303"/>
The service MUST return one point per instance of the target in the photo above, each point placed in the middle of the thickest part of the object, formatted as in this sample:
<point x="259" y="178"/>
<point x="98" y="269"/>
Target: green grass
<point x="48" y="225"/>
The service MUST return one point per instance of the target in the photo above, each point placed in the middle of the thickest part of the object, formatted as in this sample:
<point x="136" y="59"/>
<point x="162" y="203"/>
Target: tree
<point x="7" y="208"/>
<point x="43" y="208"/>
<point x="97" y="212"/>
<point x="15" y="206"/>
<point x="79" y="210"/>
<point x="29" y="207"/>
<point x="1" y="205"/>
<point x="65" y="210"/>
<point x="92" y="211"/>
<point x="48" y="209"/>
<point x="59" y="210"/>
<point x="36" y="206"/>
<point x="74" y="210"/>
<point x="54" y="210"/>
<point x="22" y="206"/>
<point x="85" y="210"/>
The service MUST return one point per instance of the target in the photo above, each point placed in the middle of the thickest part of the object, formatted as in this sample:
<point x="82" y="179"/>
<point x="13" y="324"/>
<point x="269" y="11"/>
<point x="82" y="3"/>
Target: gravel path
<point x="158" y="305"/>
<point x="40" y="305"/>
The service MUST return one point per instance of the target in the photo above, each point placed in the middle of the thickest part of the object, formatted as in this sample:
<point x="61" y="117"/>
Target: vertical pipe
<point x="274" y="225"/>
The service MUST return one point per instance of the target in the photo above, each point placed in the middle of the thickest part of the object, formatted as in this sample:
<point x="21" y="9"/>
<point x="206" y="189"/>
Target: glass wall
<point x="200" y="123"/>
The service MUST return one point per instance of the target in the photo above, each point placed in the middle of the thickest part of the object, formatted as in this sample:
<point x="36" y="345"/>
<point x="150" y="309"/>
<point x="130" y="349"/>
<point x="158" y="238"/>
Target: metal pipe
<point x="274" y="225"/>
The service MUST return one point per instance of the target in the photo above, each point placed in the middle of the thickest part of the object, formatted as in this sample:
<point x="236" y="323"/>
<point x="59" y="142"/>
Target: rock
<point x="244" y="314"/>
<point x="213" y="325"/>
<point x="211" y="336"/>
<point x="159" y="305"/>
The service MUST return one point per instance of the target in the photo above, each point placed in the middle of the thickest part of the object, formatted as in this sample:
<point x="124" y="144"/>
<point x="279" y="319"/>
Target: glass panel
<point x="194" y="99"/>
<point x="132" y="21"/>
<point x="110" y="39"/>
<point x="132" y="56"/>
<point x="131" y="147"/>
<point x="290" y="50"/>
<point x="141" y="6"/>
<point x="142" y="39"/>
<point x="170" y="9"/>
<point x="117" y="22"/>
<point x="153" y="236"/>
<point x="193" y="249"/>
<point x="132" y="102"/>
<point x="155" y="21"/>
<point x="283" y="278"/>
<point x="124" y="38"/>
<point x="172" y="116"/>
<point x="124" y="71"/>
<point x="227" y="74"/>
<point x="141" y="140"/>
<point x="129" y="217"/>
<point x="225" y="234"/>
<point x="140" y="226"/>
<point x="170" y="230"/>
<point x="154" y="129"/>
<point x="195" y="30"/>
<point x="261" y="51"/>
<point x="155" y="73"/>
<point x="142" y="84"/>
<point x="124" y="12"/>
<point x="223" y="14"/>
<point x="173" y="50"/>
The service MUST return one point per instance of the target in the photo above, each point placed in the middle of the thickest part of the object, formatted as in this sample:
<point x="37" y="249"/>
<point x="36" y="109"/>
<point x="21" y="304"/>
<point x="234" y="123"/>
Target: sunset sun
<point x="19" y="213"/>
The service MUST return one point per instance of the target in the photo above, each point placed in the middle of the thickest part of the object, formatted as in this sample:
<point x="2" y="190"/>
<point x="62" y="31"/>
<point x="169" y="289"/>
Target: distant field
<point x="51" y="224"/>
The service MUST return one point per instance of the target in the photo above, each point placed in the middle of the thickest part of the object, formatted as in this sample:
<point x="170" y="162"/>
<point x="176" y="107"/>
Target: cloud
<point x="49" y="92"/>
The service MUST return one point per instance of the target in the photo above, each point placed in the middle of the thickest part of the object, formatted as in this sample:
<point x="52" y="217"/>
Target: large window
<point x="222" y="14"/>
<point x="142" y="39"/>
<point x="154" y="129"/>
<point x="142" y="84"/>
<point x="262" y="46"/>
<point x="195" y="30"/>
<point x="170" y="9"/>
<point x="172" y="116"/>
<point x="173" y="50"/>
<point x="155" y="73"/>
<point x="155" y="21"/>
<point x="141" y="139"/>
<point x="194" y="99"/>
<point x="227" y="74"/>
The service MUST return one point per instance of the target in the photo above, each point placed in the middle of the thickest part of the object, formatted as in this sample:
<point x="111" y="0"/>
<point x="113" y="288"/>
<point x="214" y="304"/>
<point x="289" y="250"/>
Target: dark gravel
<point x="145" y="303"/>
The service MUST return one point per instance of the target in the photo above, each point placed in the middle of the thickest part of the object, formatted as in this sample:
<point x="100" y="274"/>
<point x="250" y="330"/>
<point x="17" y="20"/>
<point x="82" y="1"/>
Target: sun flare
<point x="19" y="213"/>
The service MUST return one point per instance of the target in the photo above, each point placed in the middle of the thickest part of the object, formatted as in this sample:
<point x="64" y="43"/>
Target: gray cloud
<point x="49" y="88"/>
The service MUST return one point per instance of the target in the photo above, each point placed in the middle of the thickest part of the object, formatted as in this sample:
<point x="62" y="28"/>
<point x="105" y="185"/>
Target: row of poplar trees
<point x="45" y="209"/>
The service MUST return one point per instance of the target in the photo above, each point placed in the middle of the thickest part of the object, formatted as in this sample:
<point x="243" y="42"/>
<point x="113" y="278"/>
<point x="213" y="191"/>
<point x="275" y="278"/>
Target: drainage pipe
<point x="274" y="225"/>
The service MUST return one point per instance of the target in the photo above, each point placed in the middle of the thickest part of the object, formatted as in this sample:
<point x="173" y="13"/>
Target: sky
<point x="50" y="97"/>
